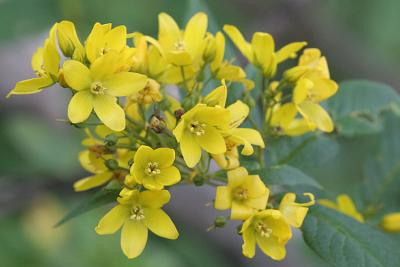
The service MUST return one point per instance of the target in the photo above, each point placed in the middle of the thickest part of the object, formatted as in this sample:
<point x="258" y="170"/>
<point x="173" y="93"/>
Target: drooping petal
<point x="168" y="176"/>
<point x="264" y="48"/>
<point x="92" y="181"/>
<point x="109" y="112"/>
<point x="125" y="83"/>
<point x="238" y="39"/>
<point x="191" y="151"/>
<point x="289" y="51"/>
<point x="31" y="86"/>
<point x="113" y="220"/>
<point x="212" y="141"/>
<point x="239" y="112"/>
<point x="271" y="247"/>
<point x="77" y="75"/>
<point x="160" y="223"/>
<point x="316" y="114"/>
<point x="223" y="198"/>
<point x="251" y="136"/>
<point x="133" y="238"/>
<point x="249" y="243"/>
<point x="80" y="106"/>
<point x="154" y="199"/>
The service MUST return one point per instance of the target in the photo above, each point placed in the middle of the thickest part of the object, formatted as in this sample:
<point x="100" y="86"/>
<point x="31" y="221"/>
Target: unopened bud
<point x="157" y="124"/>
<point x="198" y="180"/>
<point x="111" y="164"/>
<point x="111" y="140"/>
<point x="220" y="221"/>
<point x="178" y="113"/>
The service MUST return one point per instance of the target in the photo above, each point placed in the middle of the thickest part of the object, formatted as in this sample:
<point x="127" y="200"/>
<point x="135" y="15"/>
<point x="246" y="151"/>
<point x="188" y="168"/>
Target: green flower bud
<point x="111" y="164"/>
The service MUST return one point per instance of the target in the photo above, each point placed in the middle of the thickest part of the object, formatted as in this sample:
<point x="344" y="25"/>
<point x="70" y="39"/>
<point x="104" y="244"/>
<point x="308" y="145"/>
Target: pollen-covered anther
<point x="263" y="229"/>
<point x="180" y="45"/>
<point x="97" y="88"/>
<point x="41" y="72"/>
<point x="240" y="193"/>
<point x="197" y="128"/>
<point x="137" y="213"/>
<point x="152" y="169"/>
<point x="103" y="51"/>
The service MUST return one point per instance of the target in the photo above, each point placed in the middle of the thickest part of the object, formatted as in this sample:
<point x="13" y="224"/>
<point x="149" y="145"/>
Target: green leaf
<point x="356" y="106"/>
<point x="381" y="172"/>
<point x="286" y="175"/>
<point x="342" y="241"/>
<point x="99" y="199"/>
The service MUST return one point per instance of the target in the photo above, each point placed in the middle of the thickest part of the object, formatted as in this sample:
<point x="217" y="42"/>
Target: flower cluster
<point x="152" y="122"/>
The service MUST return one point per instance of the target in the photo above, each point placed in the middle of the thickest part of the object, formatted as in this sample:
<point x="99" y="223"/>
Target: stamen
<point x="197" y="128"/>
<point x="240" y="193"/>
<point x="263" y="229"/>
<point x="137" y="213"/>
<point x="97" y="88"/>
<point x="152" y="169"/>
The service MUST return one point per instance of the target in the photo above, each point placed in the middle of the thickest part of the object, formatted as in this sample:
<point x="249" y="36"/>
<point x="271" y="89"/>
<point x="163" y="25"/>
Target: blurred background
<point x="38" y="153"/>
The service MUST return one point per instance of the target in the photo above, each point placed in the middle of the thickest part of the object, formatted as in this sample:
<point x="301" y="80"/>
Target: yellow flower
<point x="261" y="51"/>
<point x="137" y="212"/>
<point x="154" y="168"/>
<point x="69" y="42"/>
<point x="103" y="39"/>
<point x="182" y="47"/>
<point x="269" y="230"/>
<point x="344" y="205"/>
<point x="293" y="212"/>
<point x="307" y="94"/>
<point x="98" y="88"/>
<point x="45" y="63"/>
<point x="391" y="222"/>
<point x="244" y="195"/>
<point x="201" y="128"/>
<point x="230" y="159"/>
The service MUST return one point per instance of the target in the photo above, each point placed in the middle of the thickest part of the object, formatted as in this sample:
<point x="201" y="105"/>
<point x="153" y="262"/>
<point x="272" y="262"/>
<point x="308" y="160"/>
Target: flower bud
<point x="220" y="221"/>
<point x="149" y="94"/>
<point x="111" y="164"/>
<point x="111" y="140"/>
<point x="210" y="49"/>
<point x="157" y="124"/>
<point x="198" y="180"/>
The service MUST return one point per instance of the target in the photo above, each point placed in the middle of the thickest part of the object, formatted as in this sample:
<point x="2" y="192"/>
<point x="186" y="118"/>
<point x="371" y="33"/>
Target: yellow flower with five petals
<point x="98" y="87"/>
<point x="137" y="213"/>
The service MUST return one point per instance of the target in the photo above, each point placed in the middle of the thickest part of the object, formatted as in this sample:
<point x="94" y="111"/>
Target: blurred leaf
<point x="342" y="241"/>
<point x="286" y="175"/>
<point x="99" y="199"/>
<point x="356" y="106"/>
<point x="381" y="172"/>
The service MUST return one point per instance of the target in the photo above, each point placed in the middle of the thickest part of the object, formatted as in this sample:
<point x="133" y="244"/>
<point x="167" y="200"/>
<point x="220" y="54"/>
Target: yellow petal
<point x="113" y="220"/>
<point x="284" y="115"/>
<point x="264" y="47"/>
<point x="391" y="222"/>
<point x="271" y="247"/>
<point x="239" y="112"/>
<point x="143" y="156"/>
<point x="237" y="177"/>
<point x="68" y="39"/>
<point x="168" y="176"/>
<point x="109" y="112"/>
<point x="77" y="75"/>
<point x="251" y="137"/>
<point x="346" y="205"/>
<point x="168" y="30"/>
<point x="30" y="86"/>
<point x="223" y="198"/>
<point x="80" y="106"/>
<point x="180" y="58"/>
<point x="302" y="90"/>
<point x="316" y="114"/>
<point x="37" y="60"/>
<point x="154" y="199"/>
<point x="238" y="39"/>
<point x="190" y="150"/>
<point x="95" y="40"/>
<point x="51" y="58"/>
<point x="163" y="156"/>
<point x="116" y="38"/>
<point x="194" y="34"/>
<point x="219" y="51"/>
<point x="133" y="238"/>
<point x="125" y="83"/>
<point x="160" y="223"/>
<point x="255" y="187"/>
<point x="289" y="51"/>
<point x="212" y="141"/>
<point x="240" y="211"/>
<point x="105" y="66"/>
<point x="294" y="213"/>
<point x="92" y="181"/>
<point x="249" y="243"/>
<point x="217" y="96"/>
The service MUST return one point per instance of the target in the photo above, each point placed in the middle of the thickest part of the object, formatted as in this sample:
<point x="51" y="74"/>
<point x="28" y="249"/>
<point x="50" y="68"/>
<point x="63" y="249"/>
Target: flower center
<point x="137" y="213"/>
<point x="97" y="88"/>
<point x="41" y="72"/>
<point x="152" y="169"/>
<point x="263" y="229"/>
<point x="103" y="51"/>
<point x="180" y="45"/>
<point x="240" y="193"/>
<point x="197" y="128"/>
